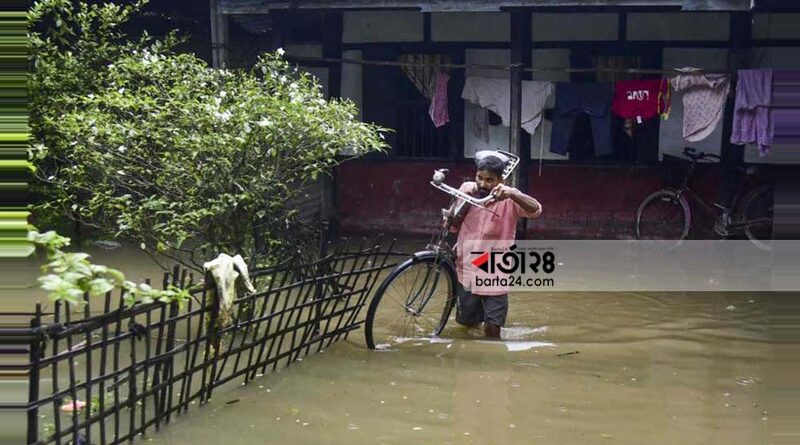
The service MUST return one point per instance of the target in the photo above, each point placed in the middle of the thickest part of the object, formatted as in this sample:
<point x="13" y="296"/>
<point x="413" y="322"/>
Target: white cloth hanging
<point x="495" y="95"/>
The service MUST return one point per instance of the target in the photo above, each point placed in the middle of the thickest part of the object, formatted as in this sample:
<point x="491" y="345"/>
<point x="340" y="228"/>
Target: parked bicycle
<point x="667" y="215"/>
<point x="417" y="297"/>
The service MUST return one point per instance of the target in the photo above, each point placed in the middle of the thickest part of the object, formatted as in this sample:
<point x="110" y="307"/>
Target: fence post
<point x="213" y="339"/>
<point x="33" y="377"/>
<point x="321" y="269"/>
<point x="166" y="392"/>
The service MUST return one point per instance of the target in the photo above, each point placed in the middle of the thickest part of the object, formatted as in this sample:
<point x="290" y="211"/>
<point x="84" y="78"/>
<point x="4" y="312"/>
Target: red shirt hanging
<point x="640" y="99"/>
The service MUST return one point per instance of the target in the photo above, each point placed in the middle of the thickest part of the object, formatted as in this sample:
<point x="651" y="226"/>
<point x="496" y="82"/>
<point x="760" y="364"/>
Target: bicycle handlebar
<point x="438" y="182"/>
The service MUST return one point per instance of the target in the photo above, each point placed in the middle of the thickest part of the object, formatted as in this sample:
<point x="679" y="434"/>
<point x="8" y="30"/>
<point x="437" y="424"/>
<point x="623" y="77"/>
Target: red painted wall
<point x="580" y="202"/>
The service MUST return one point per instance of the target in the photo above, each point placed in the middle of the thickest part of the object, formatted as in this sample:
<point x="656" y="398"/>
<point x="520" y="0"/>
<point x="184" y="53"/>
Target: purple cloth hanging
<point x="752" y="123"/>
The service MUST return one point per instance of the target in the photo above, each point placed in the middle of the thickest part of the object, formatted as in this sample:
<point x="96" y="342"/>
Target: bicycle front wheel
<point x="415" y="300"/>
<point x="664" y="215"/>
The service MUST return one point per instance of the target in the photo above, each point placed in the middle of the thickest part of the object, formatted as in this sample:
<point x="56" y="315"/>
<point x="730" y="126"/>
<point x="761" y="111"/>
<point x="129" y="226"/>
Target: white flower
<point x="121" y="90"/>
<point x="224" y="116"/>
<point x="223" y="93"/>
<point x="281" y="51"/>
<point x="122" y="148"/>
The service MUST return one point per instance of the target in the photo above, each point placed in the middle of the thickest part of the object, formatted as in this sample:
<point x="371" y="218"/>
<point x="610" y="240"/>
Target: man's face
<point x="486" y="181"/>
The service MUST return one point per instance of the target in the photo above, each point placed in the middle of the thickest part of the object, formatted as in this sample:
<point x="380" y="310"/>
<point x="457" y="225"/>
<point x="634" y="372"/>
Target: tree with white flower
<point x="142" y="143"/>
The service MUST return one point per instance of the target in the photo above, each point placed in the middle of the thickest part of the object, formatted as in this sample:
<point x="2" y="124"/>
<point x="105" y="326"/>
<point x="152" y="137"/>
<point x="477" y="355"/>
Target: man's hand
<point x="530" y="205"/>
<point x="502" y="192"/>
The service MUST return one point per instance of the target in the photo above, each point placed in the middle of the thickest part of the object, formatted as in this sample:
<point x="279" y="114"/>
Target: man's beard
<point x="481" y="193"/>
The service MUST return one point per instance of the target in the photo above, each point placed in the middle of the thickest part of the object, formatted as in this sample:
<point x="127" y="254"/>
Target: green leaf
<point x="99" y="286"/>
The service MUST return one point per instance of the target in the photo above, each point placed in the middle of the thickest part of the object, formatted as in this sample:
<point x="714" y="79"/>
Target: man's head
<point x="489" y="174"/>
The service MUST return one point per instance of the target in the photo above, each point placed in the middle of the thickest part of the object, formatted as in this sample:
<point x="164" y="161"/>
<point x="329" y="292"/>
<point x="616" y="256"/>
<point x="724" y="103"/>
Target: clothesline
<point x="501" y="67"/>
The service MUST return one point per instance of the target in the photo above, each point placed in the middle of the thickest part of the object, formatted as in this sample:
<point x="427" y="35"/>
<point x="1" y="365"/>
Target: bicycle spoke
<point x="412" y="304"/>
<point x="662" y="217"/>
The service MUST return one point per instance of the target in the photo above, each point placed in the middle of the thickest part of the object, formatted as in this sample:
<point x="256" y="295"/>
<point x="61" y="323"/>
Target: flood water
<point x="572" y="368"/>
<point x="689" y="368"/>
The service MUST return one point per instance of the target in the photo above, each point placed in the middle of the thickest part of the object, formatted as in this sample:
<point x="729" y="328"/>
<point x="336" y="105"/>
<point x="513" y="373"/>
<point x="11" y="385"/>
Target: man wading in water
<point x="509" y="204"/>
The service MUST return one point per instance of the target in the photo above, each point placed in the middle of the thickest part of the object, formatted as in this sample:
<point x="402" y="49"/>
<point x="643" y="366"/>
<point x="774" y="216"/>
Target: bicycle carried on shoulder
<point x="416" y="299"/>
<point x="666" y="214"/>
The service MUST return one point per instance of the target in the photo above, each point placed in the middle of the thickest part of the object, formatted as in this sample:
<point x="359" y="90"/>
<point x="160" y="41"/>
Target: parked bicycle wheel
<point x="415" y="300"/>
<point x="663" y="215"/>
<point x="756" y="215"/>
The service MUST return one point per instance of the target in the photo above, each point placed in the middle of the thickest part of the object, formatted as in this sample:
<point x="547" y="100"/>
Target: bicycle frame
<point x="685" y="189"/>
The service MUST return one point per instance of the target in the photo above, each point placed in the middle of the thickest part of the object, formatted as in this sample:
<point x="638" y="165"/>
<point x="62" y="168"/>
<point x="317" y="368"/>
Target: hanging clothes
<point x="480" y="124"/>
<point x="664" y="99"/>
<point x="572" y="99"/>
<point x="703" y="101"/>
<point x="438" y="109"/>
<point x="426" y="73"/>
<point x="639" y="99"/>
<point x="421" y="70"/>
<point x="495" y="95"/>
<point x="752" y="122"/>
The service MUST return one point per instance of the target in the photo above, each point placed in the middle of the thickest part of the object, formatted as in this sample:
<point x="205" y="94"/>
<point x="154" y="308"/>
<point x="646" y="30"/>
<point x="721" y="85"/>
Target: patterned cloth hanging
<point x="421" y="70"/>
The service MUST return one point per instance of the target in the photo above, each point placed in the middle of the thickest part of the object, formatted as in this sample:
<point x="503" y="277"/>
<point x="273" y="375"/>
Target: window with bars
<point x="396" y="98"/>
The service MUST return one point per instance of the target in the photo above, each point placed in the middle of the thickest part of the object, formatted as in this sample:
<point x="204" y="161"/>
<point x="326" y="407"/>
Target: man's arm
<point x="528" y="203"/>
<point x="468" y="188"/>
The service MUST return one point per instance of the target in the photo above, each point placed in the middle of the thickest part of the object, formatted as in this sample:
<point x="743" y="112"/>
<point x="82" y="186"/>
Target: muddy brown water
<point x="571" y="368"/>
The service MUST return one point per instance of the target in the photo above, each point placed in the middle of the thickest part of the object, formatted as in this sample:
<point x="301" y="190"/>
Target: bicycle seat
<point x="695" y="156"/>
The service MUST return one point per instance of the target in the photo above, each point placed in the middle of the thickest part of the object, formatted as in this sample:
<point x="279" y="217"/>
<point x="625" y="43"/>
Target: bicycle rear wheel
<point x="415" y="300"/>
<point x="663" y="215"/>
<point x="756" y="213"/>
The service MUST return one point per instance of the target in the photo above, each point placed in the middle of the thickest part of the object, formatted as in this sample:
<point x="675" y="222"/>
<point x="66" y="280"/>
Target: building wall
<point x="581" y="201"/>
<point x="577" y="27"/>
<point x="678" y="26"/>
<point x="460" y="27"/>
<point x="382" y="26"/>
